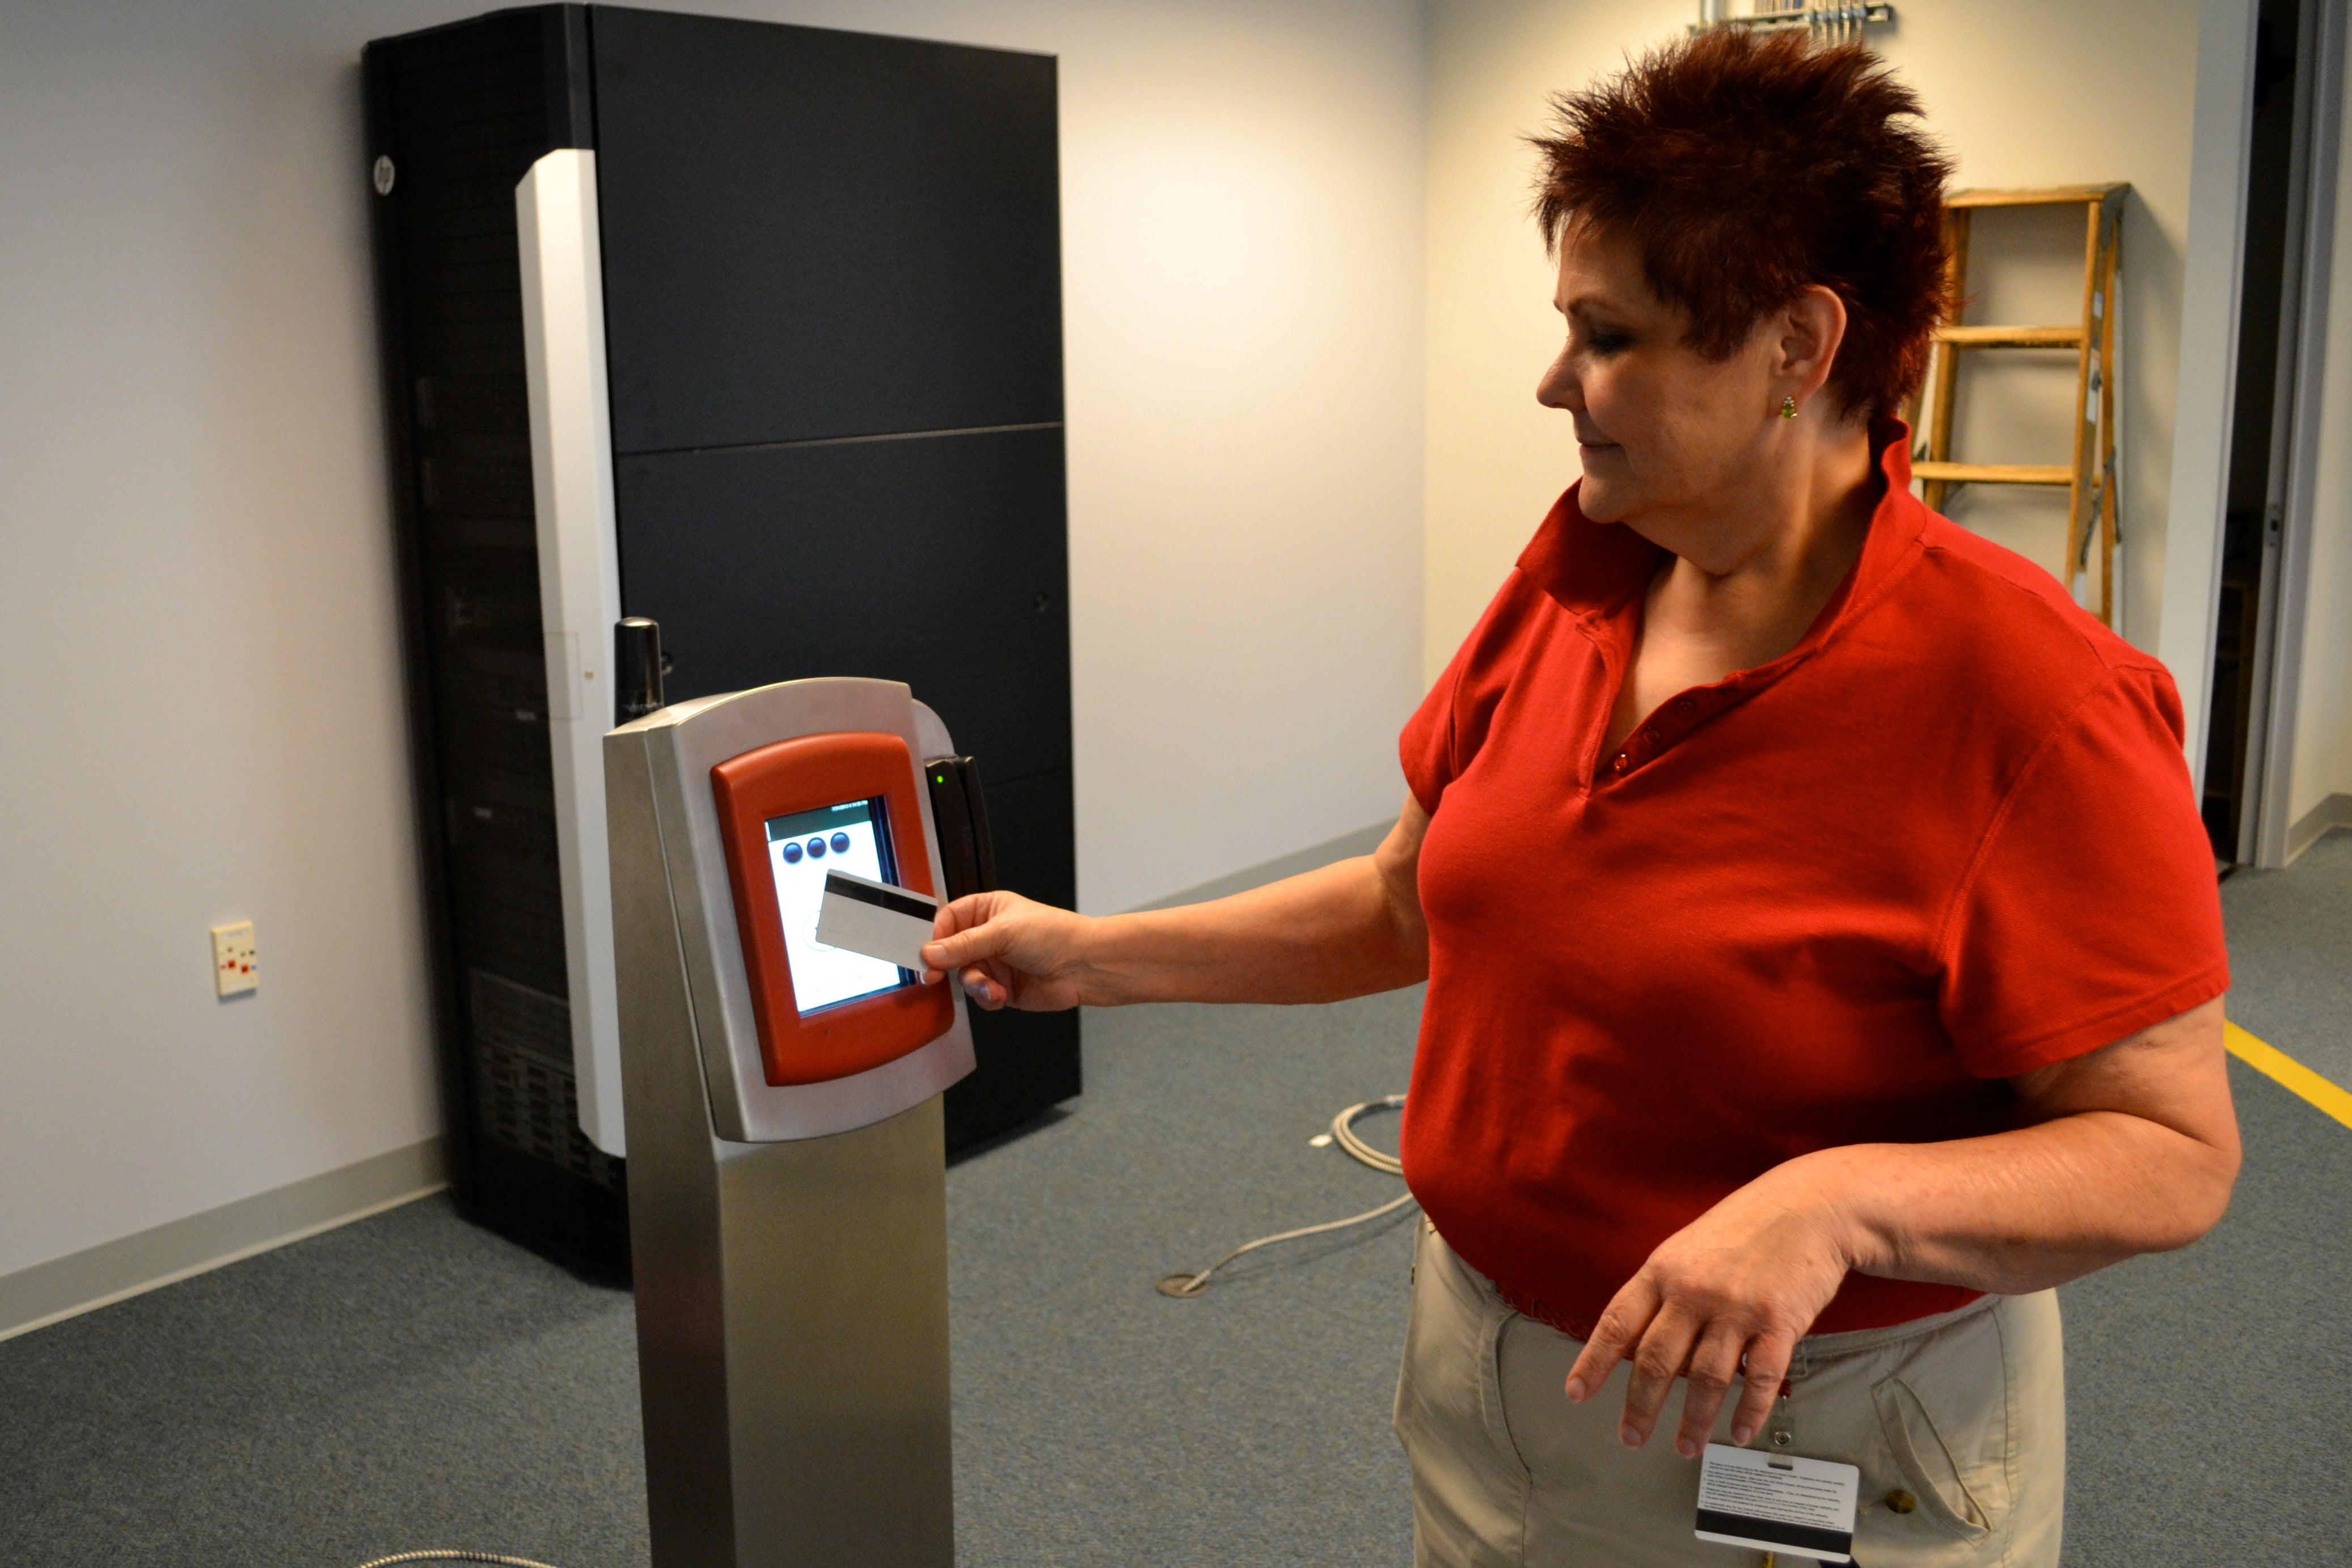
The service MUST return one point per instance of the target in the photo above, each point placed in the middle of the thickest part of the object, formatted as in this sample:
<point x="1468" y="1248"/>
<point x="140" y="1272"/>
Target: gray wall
<point x="197" y="613"/>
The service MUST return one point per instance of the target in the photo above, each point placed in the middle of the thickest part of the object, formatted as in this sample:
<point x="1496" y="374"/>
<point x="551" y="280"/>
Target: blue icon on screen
<point x="841" y="843"/>
<point x="817" y="849"/>
<point x="792" y="854"/>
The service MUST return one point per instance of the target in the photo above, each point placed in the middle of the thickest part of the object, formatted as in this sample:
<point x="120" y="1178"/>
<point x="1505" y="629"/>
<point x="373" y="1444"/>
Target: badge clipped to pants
<point x="1778" y="1502"/>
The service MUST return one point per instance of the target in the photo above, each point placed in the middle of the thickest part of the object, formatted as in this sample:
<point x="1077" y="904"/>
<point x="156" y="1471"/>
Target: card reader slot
<point x="960" y="812"/>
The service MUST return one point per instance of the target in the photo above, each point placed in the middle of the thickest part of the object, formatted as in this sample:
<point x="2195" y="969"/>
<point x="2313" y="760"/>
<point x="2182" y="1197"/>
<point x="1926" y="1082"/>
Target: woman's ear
<point x="1811" y="329"/>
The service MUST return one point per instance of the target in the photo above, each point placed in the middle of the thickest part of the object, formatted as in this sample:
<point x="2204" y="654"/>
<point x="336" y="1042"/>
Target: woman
<point x="1823" y="955"/>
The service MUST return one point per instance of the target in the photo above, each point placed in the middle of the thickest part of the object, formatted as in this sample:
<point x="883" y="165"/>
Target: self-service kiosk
<point x="787" y="1199"/>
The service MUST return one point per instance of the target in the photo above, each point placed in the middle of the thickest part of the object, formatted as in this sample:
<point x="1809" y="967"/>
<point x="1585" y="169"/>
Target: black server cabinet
<point x="832" y="321"/>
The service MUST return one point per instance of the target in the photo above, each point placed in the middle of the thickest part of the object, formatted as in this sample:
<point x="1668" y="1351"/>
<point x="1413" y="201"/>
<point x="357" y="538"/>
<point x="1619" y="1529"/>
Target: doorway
<point x="2290" y="222"/>
<point x="2263" y="419"/>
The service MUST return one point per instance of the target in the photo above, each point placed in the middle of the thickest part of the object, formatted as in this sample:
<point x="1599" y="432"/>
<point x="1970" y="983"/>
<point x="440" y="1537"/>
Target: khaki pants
<point x="1960" y="1417"/>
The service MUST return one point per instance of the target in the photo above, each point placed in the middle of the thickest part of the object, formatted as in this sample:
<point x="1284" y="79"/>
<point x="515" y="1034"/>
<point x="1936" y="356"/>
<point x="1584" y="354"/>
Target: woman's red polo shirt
<point x="1835" y="899"/>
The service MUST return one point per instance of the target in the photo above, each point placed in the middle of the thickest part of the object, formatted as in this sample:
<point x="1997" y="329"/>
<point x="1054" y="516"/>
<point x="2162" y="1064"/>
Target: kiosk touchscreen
<point x="852" y="836"/>
<point x="787" y="1199"/>
<point x="824" y="1013"/>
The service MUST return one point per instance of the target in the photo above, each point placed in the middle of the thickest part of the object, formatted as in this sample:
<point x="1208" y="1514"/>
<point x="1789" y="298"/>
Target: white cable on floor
<point x="452" y="1557"/>
<point x="1343" y="1133"/>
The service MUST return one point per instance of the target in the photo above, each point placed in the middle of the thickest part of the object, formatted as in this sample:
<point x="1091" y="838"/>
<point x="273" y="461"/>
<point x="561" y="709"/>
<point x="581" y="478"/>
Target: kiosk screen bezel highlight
<point x="810" y="773"/>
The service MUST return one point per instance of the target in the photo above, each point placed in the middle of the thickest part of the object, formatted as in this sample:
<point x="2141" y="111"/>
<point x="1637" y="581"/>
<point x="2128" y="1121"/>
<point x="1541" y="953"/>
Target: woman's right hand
<point x="1343" y="930"/>
<point x="1010" y="951"/>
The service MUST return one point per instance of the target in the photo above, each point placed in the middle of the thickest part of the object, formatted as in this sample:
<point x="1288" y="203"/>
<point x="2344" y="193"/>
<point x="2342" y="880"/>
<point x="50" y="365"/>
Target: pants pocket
<point x="1469" y="1487"/>
<point x="1938" y="1480"/>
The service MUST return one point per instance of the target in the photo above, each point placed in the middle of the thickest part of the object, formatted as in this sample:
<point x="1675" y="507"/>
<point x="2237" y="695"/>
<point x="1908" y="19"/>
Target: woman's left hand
<point x="1726" y="1297"/>
<point x="2127" y="1149"/>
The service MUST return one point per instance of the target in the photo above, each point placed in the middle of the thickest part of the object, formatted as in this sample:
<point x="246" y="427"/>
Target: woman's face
<point x="1668" y="437"/>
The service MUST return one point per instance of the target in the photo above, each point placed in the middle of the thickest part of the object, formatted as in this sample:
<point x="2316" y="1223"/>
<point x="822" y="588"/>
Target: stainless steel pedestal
<point x="791" y="1294"/>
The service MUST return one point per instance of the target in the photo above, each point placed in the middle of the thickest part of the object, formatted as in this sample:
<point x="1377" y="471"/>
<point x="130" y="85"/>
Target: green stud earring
<point x="1788" y="408"/>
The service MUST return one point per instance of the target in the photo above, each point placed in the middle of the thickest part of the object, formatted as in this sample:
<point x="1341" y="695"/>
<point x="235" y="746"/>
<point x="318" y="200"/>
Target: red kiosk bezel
<point x="807" y="774"/>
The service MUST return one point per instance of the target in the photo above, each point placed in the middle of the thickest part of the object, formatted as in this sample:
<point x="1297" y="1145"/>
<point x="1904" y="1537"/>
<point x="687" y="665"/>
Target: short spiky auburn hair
<point x="1745" y="167"/>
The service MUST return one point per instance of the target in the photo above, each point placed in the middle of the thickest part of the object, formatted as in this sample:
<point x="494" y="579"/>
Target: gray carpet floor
<point x="2291" y="955"/>
<point x="410" y="1381"/>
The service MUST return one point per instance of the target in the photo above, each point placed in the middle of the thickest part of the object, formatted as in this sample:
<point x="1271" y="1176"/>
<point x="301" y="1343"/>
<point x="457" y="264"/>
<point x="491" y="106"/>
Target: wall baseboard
<point x="1347" y="846"/>
<point x="114" y="1270"/>
<point x="2336" y="812"/>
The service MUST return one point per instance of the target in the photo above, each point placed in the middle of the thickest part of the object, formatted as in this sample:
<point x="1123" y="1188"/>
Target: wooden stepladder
<point x="2090" y="478"/>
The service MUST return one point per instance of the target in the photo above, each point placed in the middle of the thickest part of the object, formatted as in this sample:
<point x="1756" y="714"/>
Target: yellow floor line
<point x="2276" y="1064"/>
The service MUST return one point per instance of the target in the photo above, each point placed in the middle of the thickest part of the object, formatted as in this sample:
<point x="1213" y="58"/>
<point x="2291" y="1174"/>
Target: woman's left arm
<point x="2131" y="1148"/>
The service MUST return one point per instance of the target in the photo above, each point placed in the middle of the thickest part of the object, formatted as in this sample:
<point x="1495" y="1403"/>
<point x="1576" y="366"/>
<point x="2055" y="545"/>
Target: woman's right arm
<point x="1346" y="930"/>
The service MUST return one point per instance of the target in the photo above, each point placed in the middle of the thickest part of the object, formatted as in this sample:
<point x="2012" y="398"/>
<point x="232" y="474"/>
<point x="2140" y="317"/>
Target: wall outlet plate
<point x="235" y="965"/>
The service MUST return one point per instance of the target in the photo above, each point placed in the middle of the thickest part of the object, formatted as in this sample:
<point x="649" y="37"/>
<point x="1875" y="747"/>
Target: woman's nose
<point x="1559" y="387"/>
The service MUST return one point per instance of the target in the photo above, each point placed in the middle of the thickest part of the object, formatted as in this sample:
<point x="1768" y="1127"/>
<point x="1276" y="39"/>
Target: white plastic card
<point x="863" y="916"/>
<point x="1778" y="1502"/>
